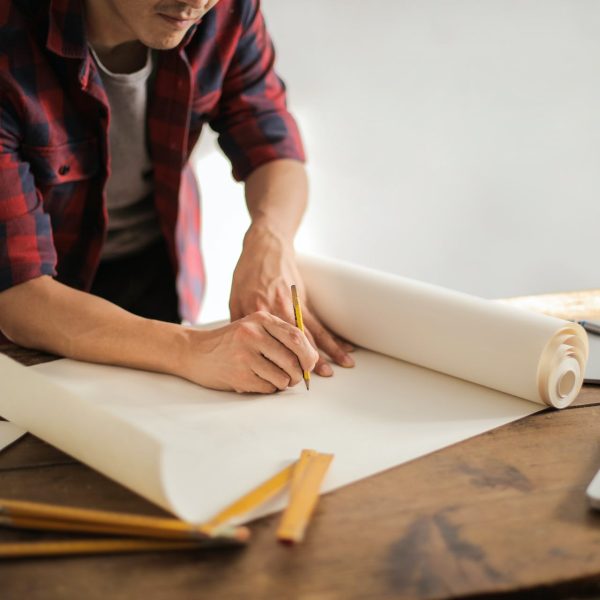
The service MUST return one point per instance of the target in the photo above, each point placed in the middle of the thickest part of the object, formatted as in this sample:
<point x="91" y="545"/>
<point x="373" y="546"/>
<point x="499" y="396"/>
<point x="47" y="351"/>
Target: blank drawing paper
<point x="479" y="365"/>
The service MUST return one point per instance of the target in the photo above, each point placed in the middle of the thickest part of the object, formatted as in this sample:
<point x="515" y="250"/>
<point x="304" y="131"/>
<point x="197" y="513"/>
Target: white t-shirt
<point x="132" y="219"/>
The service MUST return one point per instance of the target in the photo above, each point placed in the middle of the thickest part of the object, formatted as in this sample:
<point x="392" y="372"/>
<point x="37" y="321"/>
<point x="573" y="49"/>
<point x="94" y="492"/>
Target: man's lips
<point x="178" y="22"/>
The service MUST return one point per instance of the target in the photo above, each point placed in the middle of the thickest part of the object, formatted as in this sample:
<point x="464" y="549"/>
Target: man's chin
<point x="163" y="42"/>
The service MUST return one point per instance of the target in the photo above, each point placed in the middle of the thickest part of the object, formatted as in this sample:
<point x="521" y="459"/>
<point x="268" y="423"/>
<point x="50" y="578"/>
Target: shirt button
<point x="64" y="169"/>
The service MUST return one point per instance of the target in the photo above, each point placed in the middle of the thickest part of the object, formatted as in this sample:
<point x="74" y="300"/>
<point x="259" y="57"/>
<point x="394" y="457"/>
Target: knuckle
<point x="321" y="335"/>
<point x="296" y="337"/>
<point x="245" y="380"/>
<point x="239" y="357"/>
<point x="283" y="382"/>
<point x="239" y="328"/>
<point x="252" y="384"/>
<point x="246" y="331"/>
<point x="309" y="359"/>
<point x="239" y="385"/>
<point x="295" y="377"/>
<point x="316" y="357"/>
<point x="339" y="355"/>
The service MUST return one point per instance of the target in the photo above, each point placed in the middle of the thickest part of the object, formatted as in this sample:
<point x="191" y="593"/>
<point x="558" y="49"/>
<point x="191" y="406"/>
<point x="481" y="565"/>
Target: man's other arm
<point x="276" y="196"/>
<point x="262" y="140"/>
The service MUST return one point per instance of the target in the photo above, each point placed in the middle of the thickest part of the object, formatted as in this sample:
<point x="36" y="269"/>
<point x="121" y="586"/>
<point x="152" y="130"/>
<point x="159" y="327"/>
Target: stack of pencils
<point x="108" y="532"/>
<point x="123" y="532"/>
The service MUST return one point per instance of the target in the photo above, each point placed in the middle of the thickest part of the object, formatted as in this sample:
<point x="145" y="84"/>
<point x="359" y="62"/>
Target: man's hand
<point x="261" y="282"/>
<point x="259" y="353"/>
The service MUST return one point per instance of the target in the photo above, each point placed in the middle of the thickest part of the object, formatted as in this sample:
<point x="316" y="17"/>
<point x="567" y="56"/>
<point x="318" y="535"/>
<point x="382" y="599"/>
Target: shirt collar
<point x="66" y="29"/>
<point x="189" y="34"/>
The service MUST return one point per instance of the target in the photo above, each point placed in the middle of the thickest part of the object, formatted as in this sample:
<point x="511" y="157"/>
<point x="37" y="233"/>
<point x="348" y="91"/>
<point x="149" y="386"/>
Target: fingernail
<point x="325" y="370"/>
<point x="347" y="361"/>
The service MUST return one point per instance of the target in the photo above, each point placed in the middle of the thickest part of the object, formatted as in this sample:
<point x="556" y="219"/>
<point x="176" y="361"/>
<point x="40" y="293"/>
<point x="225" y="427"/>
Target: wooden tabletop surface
<point x="503" y="513"/>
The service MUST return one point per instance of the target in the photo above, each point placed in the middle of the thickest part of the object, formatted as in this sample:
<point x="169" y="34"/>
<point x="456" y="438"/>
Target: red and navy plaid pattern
<point x="54" y="118"/>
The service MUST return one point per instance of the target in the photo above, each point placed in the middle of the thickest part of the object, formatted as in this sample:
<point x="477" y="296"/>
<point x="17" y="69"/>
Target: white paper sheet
<point x="193" y="450"/>
<point x="9" y="433"/>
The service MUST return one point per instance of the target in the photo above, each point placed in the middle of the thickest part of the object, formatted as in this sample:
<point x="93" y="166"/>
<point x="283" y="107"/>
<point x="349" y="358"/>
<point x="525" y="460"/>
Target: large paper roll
<point x="503" y="347"/>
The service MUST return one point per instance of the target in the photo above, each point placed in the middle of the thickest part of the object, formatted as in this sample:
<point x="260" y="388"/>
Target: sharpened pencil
<point x="37" y="515"/>
<point x="300" y="326"/>
<point x="98" y="546"/>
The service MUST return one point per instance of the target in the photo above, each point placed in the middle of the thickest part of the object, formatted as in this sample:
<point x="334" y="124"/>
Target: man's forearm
<point x="50" y="316"/>
<point x="276" y="195"/>
<point x="47" y="315"/>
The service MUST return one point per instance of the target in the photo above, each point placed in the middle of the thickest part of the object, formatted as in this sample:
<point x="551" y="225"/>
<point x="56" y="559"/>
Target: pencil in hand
<point x="300" y="326"/>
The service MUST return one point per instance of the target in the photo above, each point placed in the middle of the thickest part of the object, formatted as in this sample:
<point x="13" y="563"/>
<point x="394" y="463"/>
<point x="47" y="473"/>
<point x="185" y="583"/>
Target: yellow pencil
<point x="49" y="516"/>
<point x="259" y="495"/>
<point x="309" y="473"/>
<point x="300" y="326"/>
<point x="98" y="546"/>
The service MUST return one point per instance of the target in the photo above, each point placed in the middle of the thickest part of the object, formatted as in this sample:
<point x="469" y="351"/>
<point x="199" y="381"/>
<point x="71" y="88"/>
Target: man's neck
<point x="124" y="58"/>
<point x="112" y="40"/>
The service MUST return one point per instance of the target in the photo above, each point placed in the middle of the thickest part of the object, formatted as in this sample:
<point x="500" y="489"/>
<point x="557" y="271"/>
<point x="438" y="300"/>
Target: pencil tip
<point x="307" y="384"/>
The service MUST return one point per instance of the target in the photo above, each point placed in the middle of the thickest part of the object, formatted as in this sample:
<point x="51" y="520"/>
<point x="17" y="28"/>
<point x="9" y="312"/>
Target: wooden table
<point x="503" y="514"/>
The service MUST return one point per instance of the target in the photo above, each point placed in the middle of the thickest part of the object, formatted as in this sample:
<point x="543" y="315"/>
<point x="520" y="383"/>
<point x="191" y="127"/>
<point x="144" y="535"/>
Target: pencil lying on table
<point x="35" y="515"/>
<point x="97" y="546"/>
<point x="308" y="475"/>
<point x="138" y="533"/>
<point x="253" y="499"/>
<point x="303" y="476"/>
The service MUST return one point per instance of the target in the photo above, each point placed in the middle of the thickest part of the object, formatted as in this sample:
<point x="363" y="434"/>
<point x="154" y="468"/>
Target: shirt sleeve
<point x="26" y="246"/>
<point x="252" y="119"/>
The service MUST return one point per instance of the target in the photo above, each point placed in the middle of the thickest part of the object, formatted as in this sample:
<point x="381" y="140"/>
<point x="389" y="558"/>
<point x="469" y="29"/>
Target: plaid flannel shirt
<point x="54" y="151"/>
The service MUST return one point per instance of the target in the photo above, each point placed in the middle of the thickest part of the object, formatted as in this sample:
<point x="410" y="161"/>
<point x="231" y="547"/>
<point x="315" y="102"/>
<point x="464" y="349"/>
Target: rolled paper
<point x="503" y="347"/>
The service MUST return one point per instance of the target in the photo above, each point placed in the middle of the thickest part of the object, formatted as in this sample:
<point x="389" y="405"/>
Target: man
<point x="101" y="103"/>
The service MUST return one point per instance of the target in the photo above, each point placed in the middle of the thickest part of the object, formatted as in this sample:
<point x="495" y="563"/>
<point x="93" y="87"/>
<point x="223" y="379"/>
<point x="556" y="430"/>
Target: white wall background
<point x="454" y="141"/>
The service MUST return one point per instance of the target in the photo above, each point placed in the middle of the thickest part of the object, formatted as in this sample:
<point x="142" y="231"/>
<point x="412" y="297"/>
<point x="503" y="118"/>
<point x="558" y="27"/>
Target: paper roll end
<point x="562" y="366"/>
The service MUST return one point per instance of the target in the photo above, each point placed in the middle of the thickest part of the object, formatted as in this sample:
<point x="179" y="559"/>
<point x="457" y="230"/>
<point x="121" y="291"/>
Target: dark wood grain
<point x="588" y="396"/>
<point x="503" y="513"/>
<point x="31" y="452"/>
<point x="25" y="355"/>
